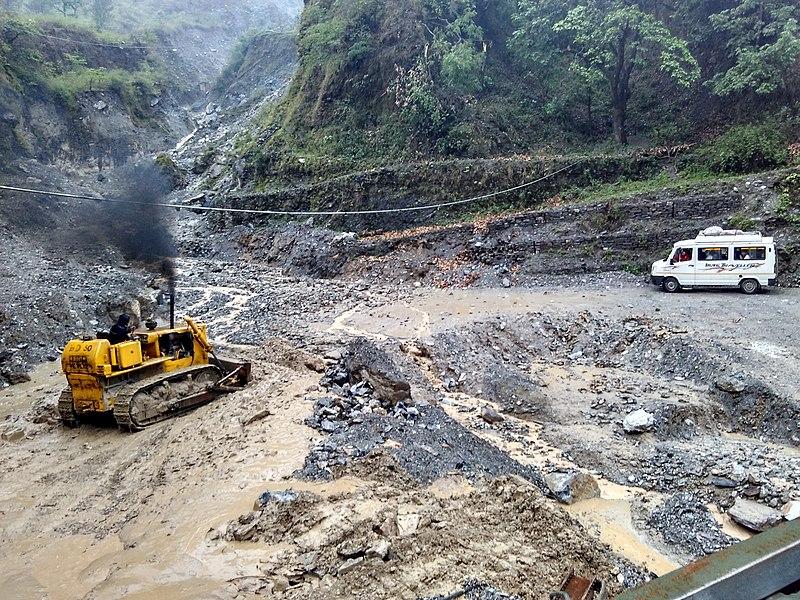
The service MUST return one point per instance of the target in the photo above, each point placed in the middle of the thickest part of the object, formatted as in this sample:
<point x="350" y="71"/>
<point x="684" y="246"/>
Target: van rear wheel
<point x="749" y="286"/>
<point x="671" y="285"/>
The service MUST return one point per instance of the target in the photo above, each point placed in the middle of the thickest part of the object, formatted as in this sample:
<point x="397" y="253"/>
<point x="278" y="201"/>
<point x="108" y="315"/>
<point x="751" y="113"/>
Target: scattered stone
<point x="245" y="532"/>
<point x="754" y="515"/>
<point x="732" y="385"/>
<point x="491" y="416"/>
<point x="12" y="434"/>
<point x="277" y="497"/>
<point x="280" y="584"/>
<point x="351" y="549"/>
<point x="569" y="488"/>
<point x="380" y="549"/>
<point x="17" y="377"/>
<point x="350" y="564"/>
<point x="100" y="105"/>
<point x="408" y="524"/>
<point x="639" y="421"/>
<point x="259" y="416"/>
<point x="685" y="523"/>
<point x="388" y="528"/>
<point x="722" y="482"/>
<point x="791" y="510"/>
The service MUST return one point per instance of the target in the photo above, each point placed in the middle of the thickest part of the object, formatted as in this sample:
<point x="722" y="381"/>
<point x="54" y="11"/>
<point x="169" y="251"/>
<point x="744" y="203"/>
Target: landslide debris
<point x="387" y="543"/>
<point x="688" y="526"/>
<point x="371" y="409"/>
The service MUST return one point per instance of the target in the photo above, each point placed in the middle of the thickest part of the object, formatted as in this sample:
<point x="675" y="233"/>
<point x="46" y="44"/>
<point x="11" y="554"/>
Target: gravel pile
<point x="686" y="524"/>
<point x="422" y="438"/>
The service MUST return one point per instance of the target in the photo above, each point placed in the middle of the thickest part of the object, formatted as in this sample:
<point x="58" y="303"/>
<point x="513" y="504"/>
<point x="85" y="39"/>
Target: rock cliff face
<point x="79" y="99"/>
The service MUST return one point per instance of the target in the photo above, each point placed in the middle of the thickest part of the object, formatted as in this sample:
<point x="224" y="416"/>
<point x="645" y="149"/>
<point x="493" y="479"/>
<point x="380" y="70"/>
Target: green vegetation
<point x="129" y="16"/>
<point x="41" y="67"/>
<point x="742" y="222"/>
<point x="763" y="43"/>
<point x="745" y="149"/>
<point x="607" y="43"/>
<point x="789" y="199"/>
<point x="390" y="80"/>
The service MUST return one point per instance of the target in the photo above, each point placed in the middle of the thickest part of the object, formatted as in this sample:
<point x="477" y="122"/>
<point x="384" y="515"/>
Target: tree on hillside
<point x="101" y="12"/>
<point x="68" y="7"/>
<point x="763" y="41"/>
<point x="603" y="42"/>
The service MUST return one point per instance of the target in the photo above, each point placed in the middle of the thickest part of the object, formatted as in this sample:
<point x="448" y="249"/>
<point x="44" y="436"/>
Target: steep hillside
<point x="80" y="93"/>
<point x="70" y="95"/>
<point x="473" y="78"/>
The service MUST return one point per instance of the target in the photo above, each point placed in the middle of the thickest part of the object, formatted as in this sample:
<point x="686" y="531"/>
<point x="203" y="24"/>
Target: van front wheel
<point x="749" y="286"/>
<point x="671" y="285"/>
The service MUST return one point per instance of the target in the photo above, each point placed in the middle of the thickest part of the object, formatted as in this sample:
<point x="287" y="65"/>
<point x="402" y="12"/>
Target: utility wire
<point x="292" y="213"/>
<point x="120" y="46"/>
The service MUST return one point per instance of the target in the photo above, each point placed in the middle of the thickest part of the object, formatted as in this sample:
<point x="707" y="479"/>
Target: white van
<point x="718" y="258"/>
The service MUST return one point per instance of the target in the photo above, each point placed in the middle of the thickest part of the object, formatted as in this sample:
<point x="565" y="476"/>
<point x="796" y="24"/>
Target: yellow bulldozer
<point x="155" y="375"/>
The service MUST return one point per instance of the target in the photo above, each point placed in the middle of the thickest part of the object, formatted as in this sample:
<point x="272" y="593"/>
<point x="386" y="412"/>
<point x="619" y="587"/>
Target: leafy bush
<point x="742" y="222"/>
<point x="744" y="149"/>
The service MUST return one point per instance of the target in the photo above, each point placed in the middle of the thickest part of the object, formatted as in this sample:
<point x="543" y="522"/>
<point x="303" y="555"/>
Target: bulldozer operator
<point x="121" y="330"/>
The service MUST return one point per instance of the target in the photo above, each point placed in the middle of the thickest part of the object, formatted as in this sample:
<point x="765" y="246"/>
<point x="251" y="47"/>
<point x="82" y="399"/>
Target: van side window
<point x="683" y="255"/>
<point x="751" y="253"/>
<point x="711" y="254"/>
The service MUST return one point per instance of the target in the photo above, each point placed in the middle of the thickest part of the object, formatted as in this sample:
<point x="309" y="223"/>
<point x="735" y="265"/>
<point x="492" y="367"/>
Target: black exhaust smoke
<point x="140" y="230"/>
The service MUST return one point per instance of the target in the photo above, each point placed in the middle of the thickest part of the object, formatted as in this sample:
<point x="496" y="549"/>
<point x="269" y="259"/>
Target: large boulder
<point x="370" y="364"/>
<point x="569" y="488"/>
<point x="731" y="385"/>
<point x="639" y="421"/>
<point x="753" y="515"/>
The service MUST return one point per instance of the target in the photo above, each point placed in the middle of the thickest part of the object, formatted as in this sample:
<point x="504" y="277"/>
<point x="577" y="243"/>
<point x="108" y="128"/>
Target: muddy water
<point x="610" y="516"/>
<point x="163" y="551"/>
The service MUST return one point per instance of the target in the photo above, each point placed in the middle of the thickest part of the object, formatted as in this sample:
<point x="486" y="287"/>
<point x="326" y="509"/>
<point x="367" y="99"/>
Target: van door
<point x="714" y="267"/>
<point x="682" y="266"/>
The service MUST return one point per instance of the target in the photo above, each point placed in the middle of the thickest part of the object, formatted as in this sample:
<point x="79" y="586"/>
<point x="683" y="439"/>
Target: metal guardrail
<point x="754" y="569"/>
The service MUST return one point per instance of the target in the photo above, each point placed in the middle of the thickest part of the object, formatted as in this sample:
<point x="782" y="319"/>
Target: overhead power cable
<point x="120" y="45"/>
<point x="292" y="213"/>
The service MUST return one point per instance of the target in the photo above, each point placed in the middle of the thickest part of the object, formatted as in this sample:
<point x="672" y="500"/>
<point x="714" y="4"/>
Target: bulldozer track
<point x="125" y="397"/>
<point x="66" y="409"/>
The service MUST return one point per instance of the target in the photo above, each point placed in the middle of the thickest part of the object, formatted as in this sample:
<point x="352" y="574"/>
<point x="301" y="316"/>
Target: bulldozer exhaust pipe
<point x="172" y="309"/>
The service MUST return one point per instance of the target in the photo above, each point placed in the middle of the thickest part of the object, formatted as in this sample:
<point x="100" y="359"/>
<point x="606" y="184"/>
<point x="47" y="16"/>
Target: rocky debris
<point x="423" y="439"/>
<point x="569" y="488"/>
<point x="791" y="510"/>
<point x="291" y="509"/>
<point x="49" y="298"/>
<point x="686" y="524"/>
<point x="12" y="432"/>
<point x="266" y="498"/>
<point x="639" y="421"/>
<point x="475" y="590"/>
<point x="754" y="515"/>
<point x="756" y="409"/>
<point x="366" y="363"/>
<point x="732" y="385"/>
<point x="427" y="535"/>
<point x="491" y="416"/>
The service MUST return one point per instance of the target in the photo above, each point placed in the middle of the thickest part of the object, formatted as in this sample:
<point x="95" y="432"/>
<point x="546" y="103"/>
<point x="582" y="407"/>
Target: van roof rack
<point x="719" y="232"/>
